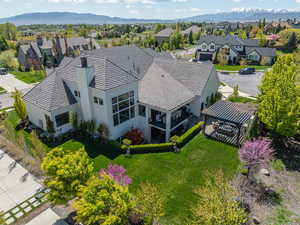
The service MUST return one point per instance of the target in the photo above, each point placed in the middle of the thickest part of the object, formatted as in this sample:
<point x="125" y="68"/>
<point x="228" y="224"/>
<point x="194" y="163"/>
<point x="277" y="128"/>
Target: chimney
<point x="84" y="63"/>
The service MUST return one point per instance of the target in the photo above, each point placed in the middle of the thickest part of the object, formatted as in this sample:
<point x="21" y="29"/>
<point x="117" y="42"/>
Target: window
<point x="123" y="107"/>
<point x="212" y="47"/>
<point x="142" y="110"/>
<point x="62" y="119"/>
<point x="98" y="100"/>
<point x="77" y="93"/>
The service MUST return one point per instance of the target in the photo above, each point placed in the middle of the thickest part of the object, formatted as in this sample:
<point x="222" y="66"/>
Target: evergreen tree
<point x="191" y="38"/>
<point x="292" y="41"/>
<point x="19" y="104"/>
<point x="3" y="44"/>
<point x="279" y="101"/>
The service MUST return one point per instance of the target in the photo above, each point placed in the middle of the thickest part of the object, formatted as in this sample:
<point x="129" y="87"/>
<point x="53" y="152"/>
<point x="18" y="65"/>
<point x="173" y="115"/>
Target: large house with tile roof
<point x="236" y="48"/>
<point x="50" y="52"/>
<point x="124" y="87"/>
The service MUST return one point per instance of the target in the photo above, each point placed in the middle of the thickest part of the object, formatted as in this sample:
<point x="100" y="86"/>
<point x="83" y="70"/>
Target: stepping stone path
<point x="25" y="207"/>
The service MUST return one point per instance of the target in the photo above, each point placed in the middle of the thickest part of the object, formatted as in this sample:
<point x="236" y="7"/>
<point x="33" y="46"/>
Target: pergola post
<point x="238" y="136"/>
<point x="204" y="125"/>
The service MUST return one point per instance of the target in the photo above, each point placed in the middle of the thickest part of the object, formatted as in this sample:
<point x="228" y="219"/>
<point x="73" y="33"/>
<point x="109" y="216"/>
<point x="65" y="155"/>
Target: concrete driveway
<point x="247" y="83"/>
<point x="9" y="83"/>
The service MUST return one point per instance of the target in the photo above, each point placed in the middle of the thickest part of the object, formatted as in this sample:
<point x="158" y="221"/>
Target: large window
<point x="123" y="107"/>
<point x="62" y="119"/>
<point x="142" y="110"/>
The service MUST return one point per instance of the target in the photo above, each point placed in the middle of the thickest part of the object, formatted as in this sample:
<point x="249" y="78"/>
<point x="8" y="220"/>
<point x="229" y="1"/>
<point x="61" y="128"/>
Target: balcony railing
<point x="156" y="123"/>
<point x="178" y="120"/>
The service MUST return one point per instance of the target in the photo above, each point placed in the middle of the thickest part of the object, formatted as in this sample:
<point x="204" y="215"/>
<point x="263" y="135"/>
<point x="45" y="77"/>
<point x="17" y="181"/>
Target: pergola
<point x="227" y="121"/>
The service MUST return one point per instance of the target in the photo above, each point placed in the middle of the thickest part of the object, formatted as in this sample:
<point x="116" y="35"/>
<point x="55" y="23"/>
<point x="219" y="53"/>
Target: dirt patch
<point x="279" y="204"/>
<point x="22" y="157"/>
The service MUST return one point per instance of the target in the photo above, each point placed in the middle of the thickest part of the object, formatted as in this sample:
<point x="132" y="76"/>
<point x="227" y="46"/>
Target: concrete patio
<point x="13" y="189"/>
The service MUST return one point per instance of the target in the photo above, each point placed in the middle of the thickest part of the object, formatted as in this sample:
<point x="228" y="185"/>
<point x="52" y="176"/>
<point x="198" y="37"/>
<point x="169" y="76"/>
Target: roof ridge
<point x="121" y="67"/>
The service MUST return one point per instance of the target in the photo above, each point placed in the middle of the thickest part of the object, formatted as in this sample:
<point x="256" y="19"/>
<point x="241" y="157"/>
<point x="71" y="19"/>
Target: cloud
<point x="120" y="1"/>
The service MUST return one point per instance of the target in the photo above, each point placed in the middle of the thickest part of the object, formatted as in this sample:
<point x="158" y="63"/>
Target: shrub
<point x="278" y="165"/>
<point x="188" y="135"/>
<point x="117" y="173"/>
<point x="135" y="135"/>
<point x="149" y="148"/>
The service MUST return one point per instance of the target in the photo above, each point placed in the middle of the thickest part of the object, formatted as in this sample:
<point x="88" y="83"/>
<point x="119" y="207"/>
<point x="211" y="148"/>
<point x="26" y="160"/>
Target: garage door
<point x="205" y="57"/>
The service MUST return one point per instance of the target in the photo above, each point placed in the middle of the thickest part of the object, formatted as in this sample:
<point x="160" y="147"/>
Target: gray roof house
<point x="163" y="35"/>
<point x="124" y="87"/>
<point x="237" y="48"/>
<point x="194" y="29"/>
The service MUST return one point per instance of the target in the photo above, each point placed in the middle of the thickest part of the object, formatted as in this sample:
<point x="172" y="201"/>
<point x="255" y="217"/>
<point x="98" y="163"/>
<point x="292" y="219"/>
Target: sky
<point x="159" y="9"/>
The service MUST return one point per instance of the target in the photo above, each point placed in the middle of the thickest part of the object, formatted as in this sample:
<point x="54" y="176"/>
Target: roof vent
<point x="84" y="63"/>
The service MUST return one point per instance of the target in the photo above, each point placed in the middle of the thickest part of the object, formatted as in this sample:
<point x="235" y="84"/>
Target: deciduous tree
<point x="8" y="60"/>
<point x="216" y="203"/>
<point x="66" y="170"/>
<point x="279" y="101"/>
<point x="117" y="173"/>
<point x="103" y="201"/>
<point x="256" y="152"/>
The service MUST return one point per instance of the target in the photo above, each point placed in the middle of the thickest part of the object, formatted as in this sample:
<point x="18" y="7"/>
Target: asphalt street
<point x="247" y="83"/>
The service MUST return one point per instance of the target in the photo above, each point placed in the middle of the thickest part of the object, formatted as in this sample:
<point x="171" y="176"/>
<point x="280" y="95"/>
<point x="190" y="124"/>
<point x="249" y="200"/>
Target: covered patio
<point x="228" y="122"/>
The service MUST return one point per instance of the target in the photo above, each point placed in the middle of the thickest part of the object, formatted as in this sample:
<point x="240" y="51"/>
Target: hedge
<point x="149" y="148"/>
<point x="189" y="134"/>
<point x="165" y="147"/>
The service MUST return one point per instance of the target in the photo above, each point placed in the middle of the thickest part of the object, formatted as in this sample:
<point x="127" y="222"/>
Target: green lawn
<point x="240" y="99"/>
<point x="237" y="67"/>
<point x="175" y="174"/>
<point x="29" y="77"/>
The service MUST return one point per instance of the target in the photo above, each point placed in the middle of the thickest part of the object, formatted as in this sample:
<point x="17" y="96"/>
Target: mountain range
<point x="88" y="18"/>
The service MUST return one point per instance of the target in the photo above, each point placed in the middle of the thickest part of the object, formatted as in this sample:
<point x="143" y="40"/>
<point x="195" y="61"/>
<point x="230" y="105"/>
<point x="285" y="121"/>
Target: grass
<point x="240" y="99"/>
<point x="238" y="67"/>
<point x="175" y="174"/>
<point x="29" y="77"/>
<point x="2" y="90"/>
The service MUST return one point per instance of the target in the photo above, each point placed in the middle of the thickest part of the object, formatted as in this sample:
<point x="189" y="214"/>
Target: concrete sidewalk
<point x="48" y="217"/>
<point x="227" y="91"/>
<point x="10" y="83"/>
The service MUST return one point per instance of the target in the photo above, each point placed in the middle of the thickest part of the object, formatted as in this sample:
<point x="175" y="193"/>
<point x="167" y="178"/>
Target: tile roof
<point x="194" y="29"/>
<point x="165" y="32"/>
<point x="164" y="81"/>
<point x="271" y="52"/>
<point x="52" y="93"/>
<point x="229" y="39"/>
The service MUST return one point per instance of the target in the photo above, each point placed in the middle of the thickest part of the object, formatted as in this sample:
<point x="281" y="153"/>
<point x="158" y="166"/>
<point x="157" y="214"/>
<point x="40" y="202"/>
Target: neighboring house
<point x="225" y="26"/>
<point x="50" y="52"/>
<point x="194" y="29"/>
<point x="257" y="54"/>
<point x="236" y="48"/>
<point x="124" y="87"/>
<point x="163" y="35"/>
<point x="30" y="56"/>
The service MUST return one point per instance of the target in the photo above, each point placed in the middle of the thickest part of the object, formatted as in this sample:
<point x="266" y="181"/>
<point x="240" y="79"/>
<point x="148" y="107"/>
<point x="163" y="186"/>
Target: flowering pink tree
<point x="117" y="173"/>
<point x="256" y="152"/>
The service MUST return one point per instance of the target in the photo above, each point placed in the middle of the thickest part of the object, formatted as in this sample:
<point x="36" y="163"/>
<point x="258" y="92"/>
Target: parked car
<point x="3" y="71"/>
<point x="247" y="70"/>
